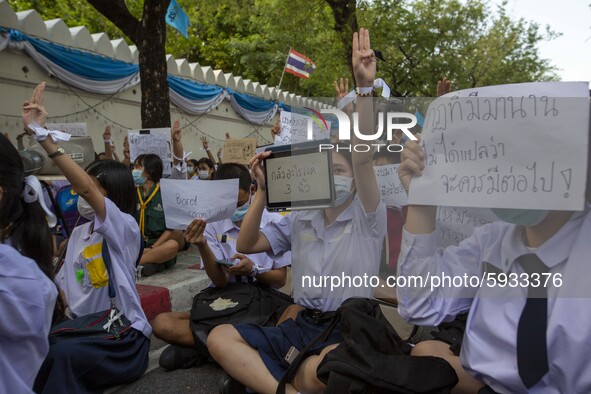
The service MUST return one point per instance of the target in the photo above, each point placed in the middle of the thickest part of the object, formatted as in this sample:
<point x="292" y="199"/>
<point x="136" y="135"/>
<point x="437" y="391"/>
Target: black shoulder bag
<point x="372" y="357"/>
<point x="109" y="324"/>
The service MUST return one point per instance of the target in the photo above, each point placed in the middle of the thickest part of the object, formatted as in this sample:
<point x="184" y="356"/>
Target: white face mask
<point x="342" y="187"/>
<point x="203" y="174"/>
<point x="85" y="209"/>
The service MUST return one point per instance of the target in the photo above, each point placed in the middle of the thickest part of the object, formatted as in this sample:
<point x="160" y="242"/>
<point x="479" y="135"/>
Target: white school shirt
<point x="222" y="236"/>
<point x="489" y="347"/>
<point x="27" y="299"/>
<point x="122" y="234"/>
<point x="350" y="247"/>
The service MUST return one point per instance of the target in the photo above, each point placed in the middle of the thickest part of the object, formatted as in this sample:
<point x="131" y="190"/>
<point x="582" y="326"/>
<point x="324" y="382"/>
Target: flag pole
<point x="283" y="73"/>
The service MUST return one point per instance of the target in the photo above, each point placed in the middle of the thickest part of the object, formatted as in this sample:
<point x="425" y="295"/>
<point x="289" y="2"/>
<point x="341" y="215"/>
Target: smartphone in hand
<point x="224" y="263"/>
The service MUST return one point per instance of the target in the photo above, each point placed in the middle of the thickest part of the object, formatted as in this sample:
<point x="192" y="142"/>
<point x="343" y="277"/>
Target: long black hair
<point x="153" y="166"/>
<point x="117" y="180"/>
<point x="24" y="224"/>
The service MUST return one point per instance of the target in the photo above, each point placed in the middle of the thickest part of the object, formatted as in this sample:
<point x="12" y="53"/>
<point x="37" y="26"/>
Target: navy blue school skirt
<point x="273" y="343"/>
<point x="87" y="365"/>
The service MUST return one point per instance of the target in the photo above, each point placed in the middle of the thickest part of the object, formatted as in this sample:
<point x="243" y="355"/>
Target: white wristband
<point x="41" y="133"/>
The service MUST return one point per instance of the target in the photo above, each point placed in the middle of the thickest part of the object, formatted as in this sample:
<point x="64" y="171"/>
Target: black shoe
<point x="151" y="269"/>
<point x="180" y="357"/>
<point x="229" y="385"/>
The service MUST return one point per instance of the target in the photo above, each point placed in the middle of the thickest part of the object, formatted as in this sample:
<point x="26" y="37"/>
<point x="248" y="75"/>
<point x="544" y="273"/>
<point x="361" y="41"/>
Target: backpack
<point x="373" y="358"/>
<point x="253" y="303"/>
<point x="67" y="202"/>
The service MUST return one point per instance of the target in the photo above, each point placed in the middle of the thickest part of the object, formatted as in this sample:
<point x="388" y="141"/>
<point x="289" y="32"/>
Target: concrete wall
<point x="19" y="74"/>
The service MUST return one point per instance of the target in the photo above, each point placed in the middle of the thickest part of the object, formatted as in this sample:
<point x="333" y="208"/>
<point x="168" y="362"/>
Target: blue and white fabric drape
<point x="193" y="97"/>
<point x="253" y="109"/>
<point x="95" y="73"/>
<point x="83" y="70"/>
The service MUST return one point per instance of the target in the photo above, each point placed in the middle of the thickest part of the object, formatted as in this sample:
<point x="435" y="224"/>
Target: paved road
<point x="201" y="380"/>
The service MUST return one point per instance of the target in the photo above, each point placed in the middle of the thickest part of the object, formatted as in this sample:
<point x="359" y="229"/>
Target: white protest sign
<point x="507" y="146"/>
<point x="156" y="141"/>
<point x="75" y="129"/>
<point x="294" y="128"/>
<point x="454" y="224"/>
<point x="185" y="201"/>
<point x="391" y="189"/>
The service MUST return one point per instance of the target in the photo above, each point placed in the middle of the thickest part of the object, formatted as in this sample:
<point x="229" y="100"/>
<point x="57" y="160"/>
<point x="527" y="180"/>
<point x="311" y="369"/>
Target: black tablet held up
<point x="298" y="176"/>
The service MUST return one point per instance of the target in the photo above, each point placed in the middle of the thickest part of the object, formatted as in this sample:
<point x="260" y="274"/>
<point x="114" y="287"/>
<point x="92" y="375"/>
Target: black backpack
<point x="373" y="358"/>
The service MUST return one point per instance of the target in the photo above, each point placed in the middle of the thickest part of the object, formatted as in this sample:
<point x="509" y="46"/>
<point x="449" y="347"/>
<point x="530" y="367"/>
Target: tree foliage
<point x="422" y="40"/>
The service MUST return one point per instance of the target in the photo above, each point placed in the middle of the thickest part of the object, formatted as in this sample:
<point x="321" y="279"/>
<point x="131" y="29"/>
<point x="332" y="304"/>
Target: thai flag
<point x="299" y="65"/>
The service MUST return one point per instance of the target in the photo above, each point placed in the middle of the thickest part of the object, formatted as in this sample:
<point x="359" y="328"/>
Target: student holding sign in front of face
<point x="217" y="242"/>
<point x="346" y="239"/>
<point x="527" y="334"/>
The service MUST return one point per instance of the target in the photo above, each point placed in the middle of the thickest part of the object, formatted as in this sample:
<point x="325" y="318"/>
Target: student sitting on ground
<point x="343" y="240"/>
<point x="217" y="241"/>
<point x="161" y="244"/>
<point x="107" y="199"/>
<point x="515" y="341"/>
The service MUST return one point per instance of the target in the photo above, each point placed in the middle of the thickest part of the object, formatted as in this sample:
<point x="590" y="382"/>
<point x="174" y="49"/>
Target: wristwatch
<point x="60" y="151"/>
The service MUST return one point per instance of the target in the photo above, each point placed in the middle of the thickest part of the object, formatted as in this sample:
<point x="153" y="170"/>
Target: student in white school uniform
<point x="343" y="240"/>
<point x="27" y="294"/>
<point x="517" y="339"/>
<point x="107" y="199"/>
<point x="217" y="241"/>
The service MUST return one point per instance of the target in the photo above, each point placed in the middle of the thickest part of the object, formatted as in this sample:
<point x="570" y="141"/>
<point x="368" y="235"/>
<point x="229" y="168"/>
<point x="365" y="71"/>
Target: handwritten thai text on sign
<point x="454" y="224"/>
<point x="156" y="141"/>
<point x="508" y="146"/>
<point x="239" y="151"/>
<point x="391" y="189"/>
<point x="294" y="128"/>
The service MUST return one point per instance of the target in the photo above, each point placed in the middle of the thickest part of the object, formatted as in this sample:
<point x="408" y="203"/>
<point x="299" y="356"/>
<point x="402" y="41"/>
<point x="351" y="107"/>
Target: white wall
<point x="123" y="108"/>
<point x="19" y="74"/>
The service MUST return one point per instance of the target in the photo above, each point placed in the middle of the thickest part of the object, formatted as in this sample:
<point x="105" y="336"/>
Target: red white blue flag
<point x="299" y="65"/>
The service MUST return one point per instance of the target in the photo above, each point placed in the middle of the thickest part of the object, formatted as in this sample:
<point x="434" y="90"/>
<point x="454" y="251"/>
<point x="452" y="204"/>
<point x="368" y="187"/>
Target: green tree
<point x="422" y="40"/>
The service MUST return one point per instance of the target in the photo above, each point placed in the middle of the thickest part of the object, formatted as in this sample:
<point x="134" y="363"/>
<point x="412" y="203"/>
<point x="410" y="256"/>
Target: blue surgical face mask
<point x="524" y="217"/>
<point x="191" y="169"/>
<point x="240" y="212"/>
<point x="342" y="187"/>
<point x="203" y="174"/>
<point x="138" y="179"/>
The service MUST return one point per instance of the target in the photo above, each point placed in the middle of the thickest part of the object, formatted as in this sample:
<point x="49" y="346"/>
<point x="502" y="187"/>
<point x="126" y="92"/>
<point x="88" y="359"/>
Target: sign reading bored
<point x="185" y="201"/>
<point x="508" y="146"/>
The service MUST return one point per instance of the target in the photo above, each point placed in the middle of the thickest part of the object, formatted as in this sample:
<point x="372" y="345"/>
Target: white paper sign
<point x="507" y="146"/>
<point x="156" y="141"/>
<point x="75" y="129"/>
<point x="294" y="128"/>
<point x="185" y="201"/>
<point x="454" y="224"/>
<point x="391" y="189"/>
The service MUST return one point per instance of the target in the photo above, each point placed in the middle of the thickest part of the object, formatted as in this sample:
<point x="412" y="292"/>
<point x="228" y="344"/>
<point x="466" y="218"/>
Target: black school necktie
<point x="532" y="352"/>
